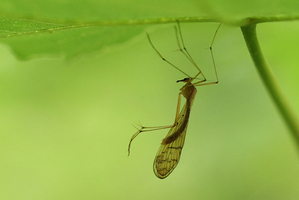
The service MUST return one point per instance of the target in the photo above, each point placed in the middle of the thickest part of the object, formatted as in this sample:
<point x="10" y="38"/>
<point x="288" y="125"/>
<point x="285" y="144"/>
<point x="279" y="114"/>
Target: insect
<point x="170" y="149"/>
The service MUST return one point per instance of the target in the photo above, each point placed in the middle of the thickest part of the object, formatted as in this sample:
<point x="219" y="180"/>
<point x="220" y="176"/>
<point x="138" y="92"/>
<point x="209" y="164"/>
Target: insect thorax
<point x="188" y="89"/>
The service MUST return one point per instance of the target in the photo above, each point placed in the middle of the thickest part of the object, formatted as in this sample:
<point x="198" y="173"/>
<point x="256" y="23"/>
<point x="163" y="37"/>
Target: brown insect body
<point x="170" y="149"/>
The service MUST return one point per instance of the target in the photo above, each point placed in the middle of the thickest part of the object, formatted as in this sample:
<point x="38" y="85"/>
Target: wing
<point x="169" y="154"/>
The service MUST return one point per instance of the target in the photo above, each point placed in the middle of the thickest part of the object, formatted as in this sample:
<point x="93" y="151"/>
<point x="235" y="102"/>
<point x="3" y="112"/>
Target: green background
<point x="65" y="124"/>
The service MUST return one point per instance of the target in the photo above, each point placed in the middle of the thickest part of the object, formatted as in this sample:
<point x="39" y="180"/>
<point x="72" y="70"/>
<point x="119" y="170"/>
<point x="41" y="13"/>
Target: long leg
<point x="183" y="48"/>
<point x="199" y="83"/>
<point x="149" y="39"/>
<point x="155" y="128"/>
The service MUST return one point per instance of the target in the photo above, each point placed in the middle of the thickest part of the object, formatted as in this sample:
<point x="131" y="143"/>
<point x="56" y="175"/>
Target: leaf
<point x="50" y="28"/>
<point x="32" y="39"/>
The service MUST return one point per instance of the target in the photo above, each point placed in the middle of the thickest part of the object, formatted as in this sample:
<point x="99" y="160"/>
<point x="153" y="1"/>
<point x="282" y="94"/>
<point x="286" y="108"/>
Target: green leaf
<point x="50" y="28"/>
<point x="32" y="39"/>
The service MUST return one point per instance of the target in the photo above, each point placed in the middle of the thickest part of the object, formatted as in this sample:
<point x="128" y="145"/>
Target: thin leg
<point x="211" y="50"/>
<point x="196" y="76"/>
<point x="199" y="83"/>
<point x="183" y="48"/>
<point x="155" y="128"/>
<point x="149" y="39"/>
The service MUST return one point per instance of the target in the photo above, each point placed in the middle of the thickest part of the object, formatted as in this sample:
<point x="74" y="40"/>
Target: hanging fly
<point x="170" y="149"/>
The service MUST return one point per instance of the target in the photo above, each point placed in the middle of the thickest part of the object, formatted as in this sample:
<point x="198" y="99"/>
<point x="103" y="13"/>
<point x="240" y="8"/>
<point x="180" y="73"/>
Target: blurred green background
<point x="65" y="125"/>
